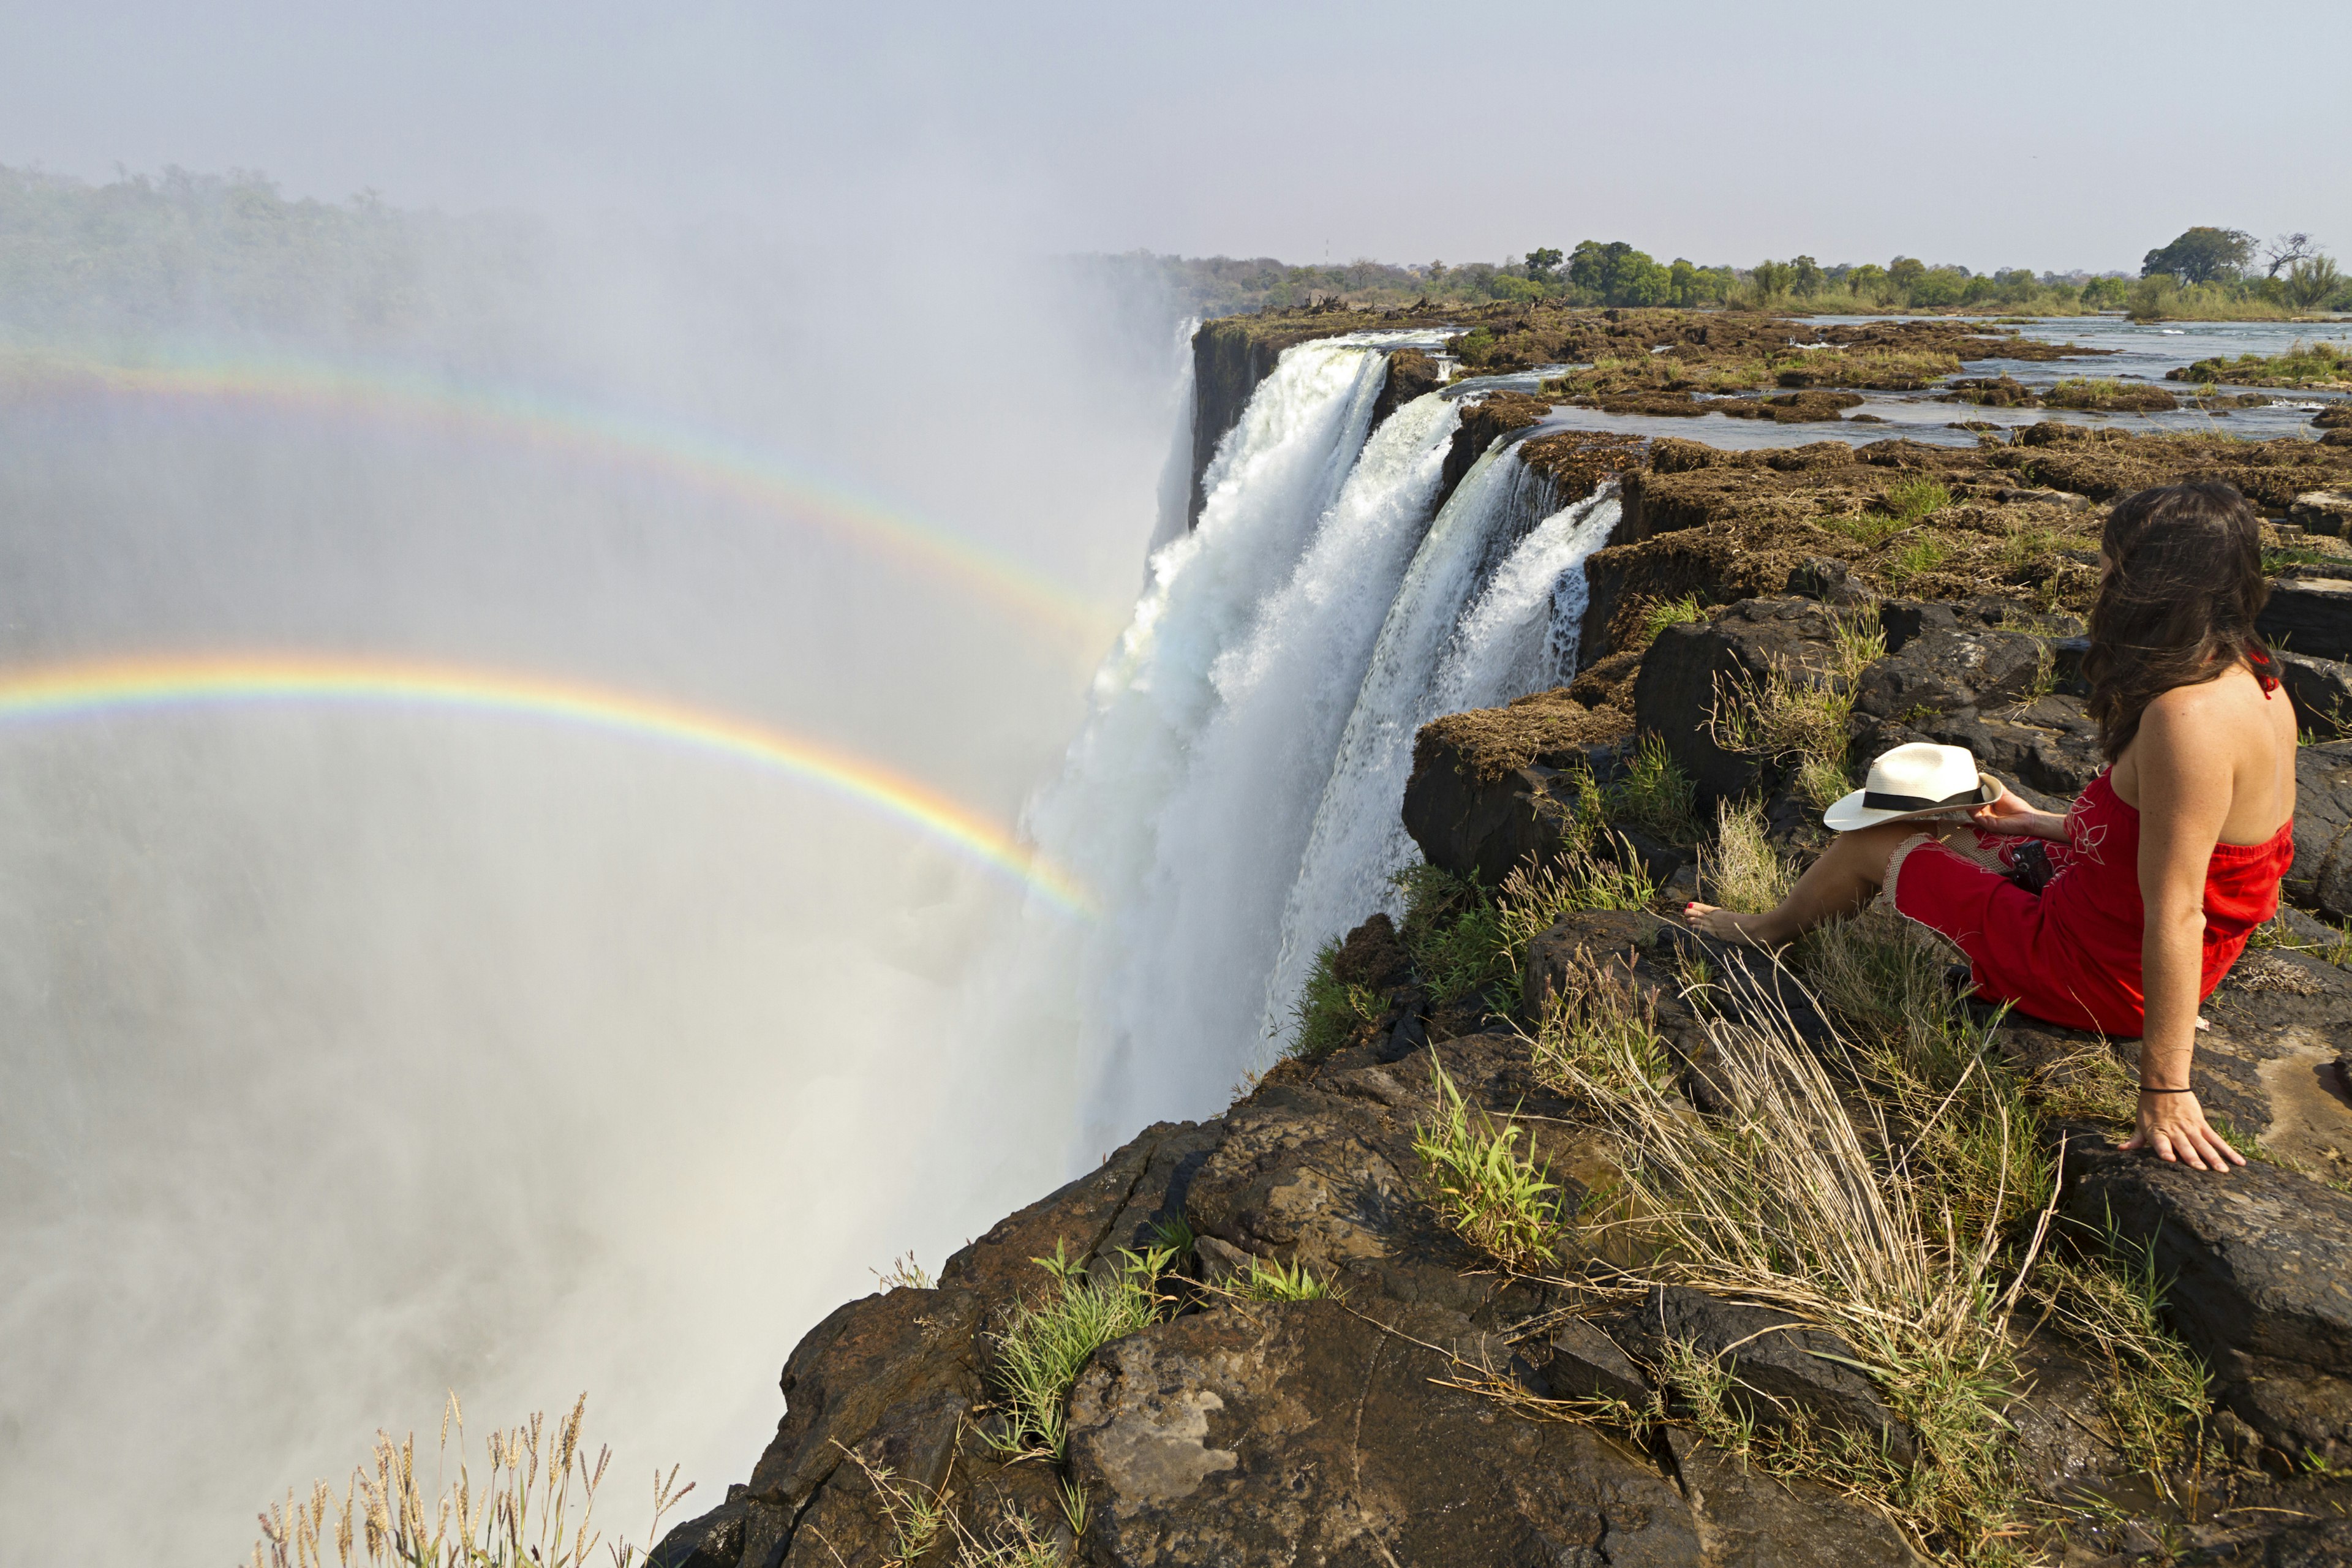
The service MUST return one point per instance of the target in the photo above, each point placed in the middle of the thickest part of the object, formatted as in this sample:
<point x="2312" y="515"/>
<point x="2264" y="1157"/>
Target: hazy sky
<point x="2047" y="134"/>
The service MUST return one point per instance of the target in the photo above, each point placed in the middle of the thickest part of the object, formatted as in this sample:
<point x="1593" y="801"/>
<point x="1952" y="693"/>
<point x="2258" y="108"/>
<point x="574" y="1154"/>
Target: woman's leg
<point x="1845" y="875"/>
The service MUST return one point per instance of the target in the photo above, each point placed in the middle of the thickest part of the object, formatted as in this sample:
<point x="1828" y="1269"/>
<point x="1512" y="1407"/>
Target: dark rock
<point x="2321" y="690"/>
<point x="1582" y="1362"/>
<point x="2322" y="512"/>
<point x="1486" y="827"/>
<point x="1372" y="957"/>
<point x="1940" y="671"/>
<point x="1228" y="362"/>
<point x="2310" y="615"/>
<point x="1483" y="422"/>
<point x="2321" y="876"/>
<point x="2260" y="1261"/>
<point x="713" y="1541"/>
<point x="2047" y="750"/>
<point x="1212" y="1439"/>
<point x="1677" y="686"/>
<point x="2327" y="1543"/>
<point x="1411" y="374"/>
<point x="1777" y="1362"/>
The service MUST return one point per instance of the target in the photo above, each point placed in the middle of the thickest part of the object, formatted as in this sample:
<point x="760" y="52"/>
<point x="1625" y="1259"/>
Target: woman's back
<point x="2237" y="715"/>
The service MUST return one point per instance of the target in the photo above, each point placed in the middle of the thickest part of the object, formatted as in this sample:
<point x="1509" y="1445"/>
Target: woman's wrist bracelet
<point x="2143" y="1089"/>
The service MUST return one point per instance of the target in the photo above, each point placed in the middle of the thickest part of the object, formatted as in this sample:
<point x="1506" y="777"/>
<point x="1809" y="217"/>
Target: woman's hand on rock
<point x="2174" y="1125"/>
<point x="2011" y="815"/>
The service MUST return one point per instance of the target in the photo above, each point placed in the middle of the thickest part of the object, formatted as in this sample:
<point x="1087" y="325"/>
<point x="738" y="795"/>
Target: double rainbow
<point x="697" y="458"/>
<point x="91" y="690"/>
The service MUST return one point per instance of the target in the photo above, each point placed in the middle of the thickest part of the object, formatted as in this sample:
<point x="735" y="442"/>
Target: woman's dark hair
<point x="2178" y="605"/>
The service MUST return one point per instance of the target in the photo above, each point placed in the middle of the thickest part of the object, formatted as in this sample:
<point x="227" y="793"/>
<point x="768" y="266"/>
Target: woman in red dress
<point x="2122" y="915"/>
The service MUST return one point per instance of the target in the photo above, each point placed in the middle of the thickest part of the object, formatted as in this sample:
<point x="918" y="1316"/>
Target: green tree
<point x="1543" y="265"/>
<point x="1771" y="278"/>
<point x="1939" y="286"/>
<point x="2311" y="282"/>
<point x="1805" y="277"/>
<point x="1617" y="274"/>
<point x="1869" y="281"/>
<point x="1905" y="272"/>
<point x="2105" y="293"/>
<point x="2201" y="255"/>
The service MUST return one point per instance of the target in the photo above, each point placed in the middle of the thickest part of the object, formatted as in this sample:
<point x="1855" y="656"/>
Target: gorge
<point x="1408" y="613"/>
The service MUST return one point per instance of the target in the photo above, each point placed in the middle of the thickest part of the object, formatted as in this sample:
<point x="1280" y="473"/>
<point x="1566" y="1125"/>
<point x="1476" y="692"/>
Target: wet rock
<point x="2260" y="1265"/>
<point x="1410" y="373"/>
<point x="2310" y="615"/>
<point x="1992" y="392"/>
<point x="1778" y="1365"/>
<point x="1228" y="362"/>
<point x="1216" y="1439"/>
<point x="1810" y="406"/>
<point x="1496" y="414"/>
<point x="2322" y="512"/>
<point x="2327" y="1543"/>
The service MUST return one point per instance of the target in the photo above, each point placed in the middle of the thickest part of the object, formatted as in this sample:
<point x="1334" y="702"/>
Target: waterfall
<point x="1234" y="796"/>
<point x="1482" y="617"/>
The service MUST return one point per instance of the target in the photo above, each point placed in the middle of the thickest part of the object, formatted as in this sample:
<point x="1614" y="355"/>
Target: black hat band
<point x="1873" y="800"/>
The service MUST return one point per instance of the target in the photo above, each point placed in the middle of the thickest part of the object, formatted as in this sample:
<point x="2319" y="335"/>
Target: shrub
<point x="1330" y="1010"/>
<point x="1653" y="792"/>
<point x="1494" y="1197"/>
<point x="1042" y="1347"/>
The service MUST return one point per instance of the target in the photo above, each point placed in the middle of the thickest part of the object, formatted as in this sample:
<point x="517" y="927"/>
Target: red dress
<point x="2071" y="954"/>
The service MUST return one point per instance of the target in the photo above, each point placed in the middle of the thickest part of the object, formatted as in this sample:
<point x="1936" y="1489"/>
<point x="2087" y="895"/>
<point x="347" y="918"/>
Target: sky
<point x="2054" y="136"/>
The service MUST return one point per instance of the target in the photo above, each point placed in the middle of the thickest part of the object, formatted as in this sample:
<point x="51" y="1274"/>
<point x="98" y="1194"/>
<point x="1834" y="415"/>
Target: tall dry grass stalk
<point x="1743" y="871"/>
<point x="533" y="1505"/>
<point x="1806" y="1199"/>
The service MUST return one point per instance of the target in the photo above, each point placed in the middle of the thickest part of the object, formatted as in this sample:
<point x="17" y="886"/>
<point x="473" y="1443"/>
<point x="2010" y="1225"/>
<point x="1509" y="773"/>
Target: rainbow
<point x="697" y="458"/>
<point x="90" y="690"/>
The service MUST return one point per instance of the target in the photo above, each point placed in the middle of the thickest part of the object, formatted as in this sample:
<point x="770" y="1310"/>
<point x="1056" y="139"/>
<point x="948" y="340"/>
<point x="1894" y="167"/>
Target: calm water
<point x="2138" y="353"/>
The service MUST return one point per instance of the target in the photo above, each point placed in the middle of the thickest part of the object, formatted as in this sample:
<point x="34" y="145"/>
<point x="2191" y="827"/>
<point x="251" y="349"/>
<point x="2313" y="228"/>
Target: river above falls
<point x="2136" y="353"/>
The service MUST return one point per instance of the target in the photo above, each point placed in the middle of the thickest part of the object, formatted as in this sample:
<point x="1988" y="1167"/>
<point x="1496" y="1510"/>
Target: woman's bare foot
<point x="1725" y="925"/>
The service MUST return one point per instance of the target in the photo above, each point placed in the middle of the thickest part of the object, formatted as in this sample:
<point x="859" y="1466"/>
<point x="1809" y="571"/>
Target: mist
<point x="361" y="1052"/>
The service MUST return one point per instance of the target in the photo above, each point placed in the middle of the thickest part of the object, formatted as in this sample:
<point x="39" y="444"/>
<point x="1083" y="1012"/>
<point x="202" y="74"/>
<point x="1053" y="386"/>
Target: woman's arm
<point x="2011" y="815"/>
<point x="2184" y="795"/>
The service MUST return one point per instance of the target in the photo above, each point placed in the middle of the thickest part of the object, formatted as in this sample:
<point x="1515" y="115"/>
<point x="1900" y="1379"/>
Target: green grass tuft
<point x="1043" y="1346"/>
<point x="1330" y="1010"/>
<point x="1494" y="1197"/>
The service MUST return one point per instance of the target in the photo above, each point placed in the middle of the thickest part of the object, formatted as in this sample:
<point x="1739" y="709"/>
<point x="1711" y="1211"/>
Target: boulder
<point x="2310" y="615"/>
<point x="2260" y="1263"/>
<point x="1492" y="787"/>
<point x="2321" y="876"/>
<point x="2321" y="690"/>
<point x="1778" y="1365"/>
<point x="2322" y="512"/>
<point x="1410" y="373"/>
<point x="1675" y="692"/>
<point x="1214" y="1439"/>
<point x="1943" y="668"/>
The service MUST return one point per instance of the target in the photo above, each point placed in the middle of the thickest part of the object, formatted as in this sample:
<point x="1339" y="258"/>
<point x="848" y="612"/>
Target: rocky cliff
<point x="1442" y="1287"/>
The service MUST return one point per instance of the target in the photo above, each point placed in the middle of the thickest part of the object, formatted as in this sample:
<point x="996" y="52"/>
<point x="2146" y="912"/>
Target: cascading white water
<point x="1455" y="638"/>
<point x="1218" y="658"/>
<point x="1233" y="798"/>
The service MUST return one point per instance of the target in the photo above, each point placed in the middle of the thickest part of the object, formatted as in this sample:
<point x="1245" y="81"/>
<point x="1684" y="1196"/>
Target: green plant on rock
<point x="1916" y="558"/>
<point x="1868" y="529"/>
<point x="1043" y="1346"/>
<point x="1800" y="720"/>
<point x="2158" y="1395"/>
<point x="1653" y="792"/>
<point x="1744" y="871"/>
<point x="1275" y="1282"/>
<point x="1666" y="613"/>
<point x="1329" y="1010"/>
<point x="1453" y="934"/>
<point x="1602" y="1028"/>
<point x="1492" y="1196"/>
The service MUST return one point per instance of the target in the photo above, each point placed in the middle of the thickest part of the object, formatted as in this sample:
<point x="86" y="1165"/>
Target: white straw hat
<point x="1921" y="779"/>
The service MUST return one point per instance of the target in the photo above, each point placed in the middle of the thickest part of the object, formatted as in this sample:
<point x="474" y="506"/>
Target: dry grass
<point x="1743" y="871"/>
<point x="533" y="1505"/>
<point x="1601" y="1029"/>
<point x="1801" y="1198"/>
